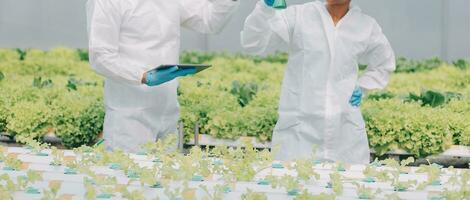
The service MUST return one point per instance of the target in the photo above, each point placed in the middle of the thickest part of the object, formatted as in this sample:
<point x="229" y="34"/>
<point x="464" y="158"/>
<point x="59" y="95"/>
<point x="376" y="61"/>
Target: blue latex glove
<point x="278" y="4"/>
<point x="356" y="97"/>
<point x="158" y="76"/>
<point x="269" y="2"/>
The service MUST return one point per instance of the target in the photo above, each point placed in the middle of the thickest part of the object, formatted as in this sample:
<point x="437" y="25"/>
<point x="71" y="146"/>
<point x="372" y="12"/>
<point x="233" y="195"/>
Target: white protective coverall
<point x="128" y="38"/>
<point x="320" y="77"/>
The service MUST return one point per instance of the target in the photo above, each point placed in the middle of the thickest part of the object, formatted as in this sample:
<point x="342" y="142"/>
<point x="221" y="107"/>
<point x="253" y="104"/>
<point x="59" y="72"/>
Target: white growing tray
<point x="73" y="184"/>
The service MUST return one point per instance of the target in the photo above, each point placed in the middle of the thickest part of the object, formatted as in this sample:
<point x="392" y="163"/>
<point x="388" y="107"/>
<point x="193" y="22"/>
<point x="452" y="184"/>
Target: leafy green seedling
<point x="250" y="195"/>
<point x="305" y="195"/>
<point x="133" y="195"/>
<point x="433" y="172"/>
<point x="291" y="184"/>
<point x="341" y="167"/>
<point x="21" y="182"/>
<point x="12" y="164"/>
<point x="33" y="176"/>
<point x="218" y="192"/>
<point x="402" y="186"/>
<point x="90" y="190"/>
<point x="392" y="196"/>
<point x="401" y="167"/>
<point x="363" y="192"/>
<point x="174" y="194"/>
<point x="57" y="156"/>
<point x="305" y="170"/>
<point x="51" y="193"/>
<point x="371" y="173"/>
<point x="336" y="183"/>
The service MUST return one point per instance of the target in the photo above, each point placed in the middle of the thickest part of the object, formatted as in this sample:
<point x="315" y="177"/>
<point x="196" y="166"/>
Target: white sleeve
<point x="206" y="16"/>
<point x="266" y="27"/>
<point x="380" y="61"/>
<point x="103" y="24"/>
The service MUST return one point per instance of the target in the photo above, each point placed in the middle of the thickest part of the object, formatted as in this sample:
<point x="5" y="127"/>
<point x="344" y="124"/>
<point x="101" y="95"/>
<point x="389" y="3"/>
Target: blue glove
<point x="158" y="76"/>
<point x="269" y="2"/>
<point x="278" y="4"/>
<point x="356" y="97"/>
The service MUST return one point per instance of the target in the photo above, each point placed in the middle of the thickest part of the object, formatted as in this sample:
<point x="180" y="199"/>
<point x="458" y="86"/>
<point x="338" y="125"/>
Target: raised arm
<point x="206" y="16"/>
<point x="267" y="28"/>
<point x="104" y="22"/>
<point x="380" y="61"/>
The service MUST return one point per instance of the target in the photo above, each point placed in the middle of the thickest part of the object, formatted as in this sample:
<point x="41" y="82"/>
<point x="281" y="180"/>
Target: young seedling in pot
<point x="397" y="169"/>
<point x="35" y="146"/>
<point x="57" y="156"/>
<point x="12" y="164"/>
<point x="401" y="166"/>
<point x="392" y="196"/>
<point x="52" y="192"/>
<point x="133" y="195"/>
<point x="290" y="183"/>
<point x="218" y="191"/>
<point x="174" y="194"/>
<point x="336" y="183"/>
<point x="305" y="171"/>
<point x="433" y="172"/>
<point x="363" y="192"/>
<point x="372" y="174"/>
<point x="31" y="178"/>
<point x="305" y="195"/>
<point x="251" y="195"/>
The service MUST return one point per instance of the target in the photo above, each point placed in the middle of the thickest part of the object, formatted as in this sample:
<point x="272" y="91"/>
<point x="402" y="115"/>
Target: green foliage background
<point x="31" y="110"/>
<point x="237" y="97"/>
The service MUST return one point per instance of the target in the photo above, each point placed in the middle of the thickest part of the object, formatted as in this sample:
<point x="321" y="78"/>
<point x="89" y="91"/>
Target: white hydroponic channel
<point x="73" y="184"/>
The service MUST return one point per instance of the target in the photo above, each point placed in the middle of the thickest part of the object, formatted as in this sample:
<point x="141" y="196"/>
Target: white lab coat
<point x="320" y="77"/>
<point x="128" y="38"/>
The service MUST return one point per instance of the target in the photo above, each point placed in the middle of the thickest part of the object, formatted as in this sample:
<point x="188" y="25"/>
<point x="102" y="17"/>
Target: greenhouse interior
<point x="234" y="99"/>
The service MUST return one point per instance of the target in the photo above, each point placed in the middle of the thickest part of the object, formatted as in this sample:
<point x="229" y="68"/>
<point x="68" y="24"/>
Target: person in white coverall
<point x="321" y="90"/>
<point x="129" y="38"/>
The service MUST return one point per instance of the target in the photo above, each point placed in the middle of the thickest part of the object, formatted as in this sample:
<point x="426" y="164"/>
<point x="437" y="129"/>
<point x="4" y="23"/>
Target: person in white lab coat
<point x="129" y="38"/>
<point x="322" y="90"/>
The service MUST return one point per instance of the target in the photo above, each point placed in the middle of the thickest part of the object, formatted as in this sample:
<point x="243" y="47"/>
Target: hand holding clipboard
<point x="165" y="73"/>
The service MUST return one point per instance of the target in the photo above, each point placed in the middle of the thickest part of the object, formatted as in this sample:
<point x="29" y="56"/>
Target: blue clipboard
<point x="199" y="67"/>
